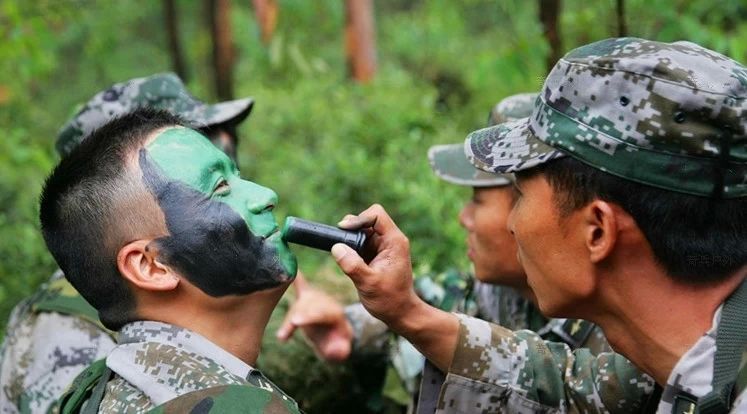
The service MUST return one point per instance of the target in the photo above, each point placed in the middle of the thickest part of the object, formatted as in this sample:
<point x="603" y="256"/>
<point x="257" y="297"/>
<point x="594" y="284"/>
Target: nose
<point x="465" y="216"/>
<point x="261" y="199"/>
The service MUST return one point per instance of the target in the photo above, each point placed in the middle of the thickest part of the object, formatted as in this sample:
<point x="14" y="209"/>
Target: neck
<point x="235" y="323"/>
<point x="655" y="329"/>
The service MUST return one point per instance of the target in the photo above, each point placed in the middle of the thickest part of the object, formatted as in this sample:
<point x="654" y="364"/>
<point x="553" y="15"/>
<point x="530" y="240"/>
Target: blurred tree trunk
<point x="622" y="28"/>
<point x="219" y="13"/>
<point x="549" y="12"/>
<point x="360" y="39"/>
<point x="266" y="12"/>
<point x="175" y="45"/>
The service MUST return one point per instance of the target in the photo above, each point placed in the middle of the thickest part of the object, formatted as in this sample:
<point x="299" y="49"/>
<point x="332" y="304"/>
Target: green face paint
<point x="202" y="195"/>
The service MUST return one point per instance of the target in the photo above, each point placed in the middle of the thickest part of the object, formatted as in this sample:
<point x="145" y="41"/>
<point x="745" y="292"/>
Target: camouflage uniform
<point x="51" y="337"/>
<point x="155" y="362"/>
<point x="671" y="116"/>
<point x="453" y="291"/>
<point x="55" y="334"/>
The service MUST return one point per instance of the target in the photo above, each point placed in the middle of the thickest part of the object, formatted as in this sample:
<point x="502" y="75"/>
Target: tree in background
<point x="224" y="54"/>
<point x="360" y="39"/>
<point x="622" y="28"/>
<point x="549" y="10"/>
<point x="174" y="41"/>
<point x="266" y="12"/>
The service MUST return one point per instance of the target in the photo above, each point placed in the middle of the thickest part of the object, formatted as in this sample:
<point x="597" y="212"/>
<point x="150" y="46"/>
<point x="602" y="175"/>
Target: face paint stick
<point x="320" y="236"/>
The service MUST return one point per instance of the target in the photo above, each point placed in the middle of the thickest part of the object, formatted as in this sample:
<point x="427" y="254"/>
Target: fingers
<point x="351" y="222"/>
<point x="286" y="328"/>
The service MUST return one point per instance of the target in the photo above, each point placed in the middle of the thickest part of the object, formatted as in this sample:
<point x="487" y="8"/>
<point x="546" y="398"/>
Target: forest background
<point x="329" y="138"/>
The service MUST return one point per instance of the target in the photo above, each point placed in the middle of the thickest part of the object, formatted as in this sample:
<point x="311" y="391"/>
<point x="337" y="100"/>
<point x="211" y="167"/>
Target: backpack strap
<point x="89" y="386"/>
<point x="229" y="399"/>
<point x="731" y="339"/>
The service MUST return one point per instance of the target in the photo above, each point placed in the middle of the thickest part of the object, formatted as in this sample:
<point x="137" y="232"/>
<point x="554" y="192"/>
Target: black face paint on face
<point x="209" y="243"/>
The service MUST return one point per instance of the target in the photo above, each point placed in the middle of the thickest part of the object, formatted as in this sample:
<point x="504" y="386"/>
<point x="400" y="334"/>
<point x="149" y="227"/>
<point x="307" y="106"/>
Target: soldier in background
<point x="54" y="334"/>
<point x="631" y="190"/>
<point x="498" y="292"/>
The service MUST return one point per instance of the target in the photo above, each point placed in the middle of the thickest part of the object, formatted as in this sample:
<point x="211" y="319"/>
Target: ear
<point x="601" y="230"/>
<point x="138" y="263"/>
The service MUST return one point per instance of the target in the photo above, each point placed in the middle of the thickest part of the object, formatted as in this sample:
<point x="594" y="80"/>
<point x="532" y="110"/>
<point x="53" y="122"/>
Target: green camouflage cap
<point x="514" y="107"/>
<point x="449" y="162"/>
<point x="669" y="115"/>
<point x="161" y="91"/>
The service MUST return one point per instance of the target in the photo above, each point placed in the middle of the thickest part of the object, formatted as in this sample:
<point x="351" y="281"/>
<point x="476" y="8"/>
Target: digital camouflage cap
<point x="669" y="115"/>
<point x="160" y="91"/>
<point x="449" y="162"/>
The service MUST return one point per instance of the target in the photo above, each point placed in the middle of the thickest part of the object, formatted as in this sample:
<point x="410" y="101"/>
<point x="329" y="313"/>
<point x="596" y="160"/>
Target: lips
<point x="274" y="232"/>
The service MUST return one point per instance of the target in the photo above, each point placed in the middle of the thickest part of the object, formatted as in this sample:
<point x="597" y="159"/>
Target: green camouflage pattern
<point x="156" y="362"/>
<point x="455" y="291"/>
<point x="160" y="91"/>
<point x="668" y="115"/>
<point x="497" y="370"/>
<point x="450" y="164"/>
<point x="50" y="338"/>
<point x="512" y="108"/>
<point x="227" y="399"/>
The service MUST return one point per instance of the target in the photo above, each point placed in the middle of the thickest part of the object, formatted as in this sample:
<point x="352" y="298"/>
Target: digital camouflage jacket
<point x="50" y="338"/>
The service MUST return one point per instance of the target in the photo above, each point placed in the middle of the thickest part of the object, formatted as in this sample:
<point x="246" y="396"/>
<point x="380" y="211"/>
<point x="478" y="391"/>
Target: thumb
<point x="350" y="262"/>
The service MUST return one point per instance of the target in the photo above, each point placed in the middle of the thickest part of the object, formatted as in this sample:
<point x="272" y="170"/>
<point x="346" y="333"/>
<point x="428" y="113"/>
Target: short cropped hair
<point x="94" y="203"/>
<point x="697" y="240"/>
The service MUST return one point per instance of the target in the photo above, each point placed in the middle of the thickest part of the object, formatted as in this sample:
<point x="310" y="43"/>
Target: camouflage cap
<point x="669" y="115"/>
<point x="162" y="91"/>
<point x="511" y="108"/>
<point x="449" y="162"/>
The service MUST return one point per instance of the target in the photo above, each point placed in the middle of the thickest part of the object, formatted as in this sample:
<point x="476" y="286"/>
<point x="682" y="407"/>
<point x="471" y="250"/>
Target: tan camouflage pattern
<point x="156" y="362"/>
<point x="43" y="351"/>
<point x="656" y="113"/>
<point x="160" y="91"/>
<point x="496" y="370"/>
<point x="455" y="291"/>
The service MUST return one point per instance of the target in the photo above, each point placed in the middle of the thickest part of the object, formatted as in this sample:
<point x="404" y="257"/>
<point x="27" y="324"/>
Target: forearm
<point x="432" y="331"/>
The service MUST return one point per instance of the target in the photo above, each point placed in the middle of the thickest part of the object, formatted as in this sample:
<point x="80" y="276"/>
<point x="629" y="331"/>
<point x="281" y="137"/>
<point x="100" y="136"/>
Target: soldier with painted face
<point x="181" y="256"/>
<point x="55" y="334"/>
<point x="630" y="212"/>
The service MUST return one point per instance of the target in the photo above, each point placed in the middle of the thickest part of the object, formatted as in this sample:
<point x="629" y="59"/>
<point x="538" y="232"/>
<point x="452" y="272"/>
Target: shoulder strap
<point x="89" y="386"/>
<point x="731" y="339"/>
<point x="60" y="296"/>
<point x="229" y="399"/>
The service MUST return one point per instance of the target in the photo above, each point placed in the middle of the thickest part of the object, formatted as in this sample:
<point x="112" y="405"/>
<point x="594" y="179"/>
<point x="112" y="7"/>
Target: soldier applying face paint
<point x="631" y="211"/>
<point x="155" y="228"/>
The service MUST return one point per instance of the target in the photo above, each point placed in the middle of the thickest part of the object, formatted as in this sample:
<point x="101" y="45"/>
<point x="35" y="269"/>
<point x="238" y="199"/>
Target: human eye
<point x="221" y="187"/>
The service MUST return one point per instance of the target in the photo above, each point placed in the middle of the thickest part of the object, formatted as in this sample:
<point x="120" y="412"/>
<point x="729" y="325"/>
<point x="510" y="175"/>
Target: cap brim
<point x="233" y="112"/>
<point x="450" y="164"/>
<point x="507" y="148"/>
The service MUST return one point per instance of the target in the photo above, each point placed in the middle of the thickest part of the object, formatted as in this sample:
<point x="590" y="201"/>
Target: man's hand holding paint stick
<point x="385" y="286"/>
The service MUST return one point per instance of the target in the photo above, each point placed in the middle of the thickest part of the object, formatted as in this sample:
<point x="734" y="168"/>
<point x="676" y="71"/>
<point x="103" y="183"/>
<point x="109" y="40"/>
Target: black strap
<point x="731" y="338"/>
